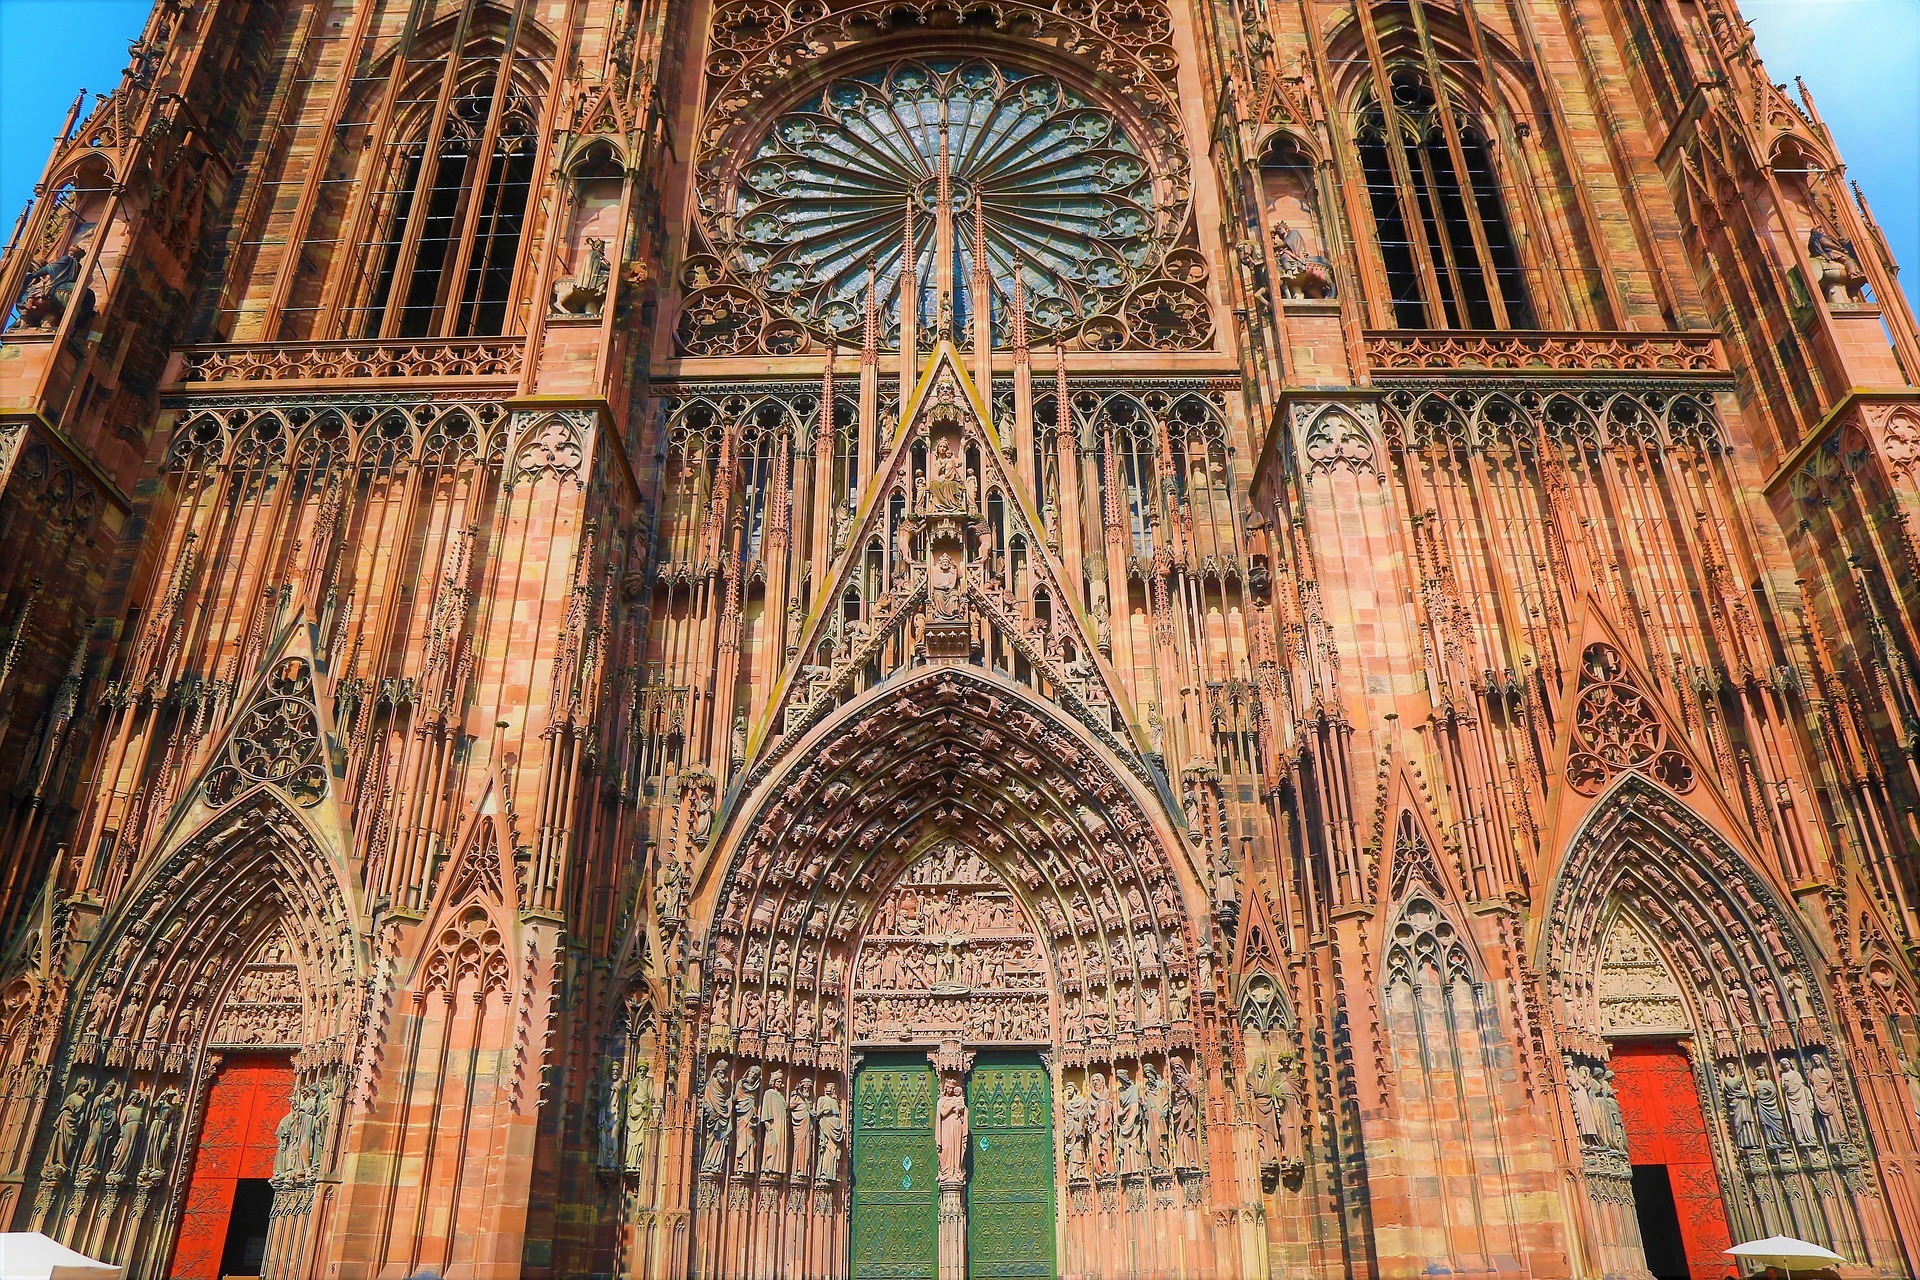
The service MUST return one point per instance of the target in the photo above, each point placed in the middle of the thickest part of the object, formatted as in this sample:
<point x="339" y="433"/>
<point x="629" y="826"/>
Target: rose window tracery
<point x="277" y="741"/>
<point x="1615" y="729"/>
<point x="816" y="218"/>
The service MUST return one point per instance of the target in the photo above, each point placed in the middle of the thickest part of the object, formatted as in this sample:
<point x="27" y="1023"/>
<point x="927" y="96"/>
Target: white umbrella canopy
<point x="29" y="1255"/>
<point x="1785" y="1251"/>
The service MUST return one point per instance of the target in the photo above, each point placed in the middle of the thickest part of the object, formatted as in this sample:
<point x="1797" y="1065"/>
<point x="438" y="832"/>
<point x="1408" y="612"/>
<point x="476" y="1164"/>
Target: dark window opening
<point x="246" y="1248"/>
<point x="1659" y="1222"/>
<point x="1437" y="213"/>
<point x="468" y="226"/>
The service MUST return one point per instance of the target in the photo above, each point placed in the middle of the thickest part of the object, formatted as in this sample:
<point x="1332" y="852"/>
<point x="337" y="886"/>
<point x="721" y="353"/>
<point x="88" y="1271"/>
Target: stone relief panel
<point x="1638" y="993"/>
<point x="951" y="954"/>
<point x="264" y="1005"/>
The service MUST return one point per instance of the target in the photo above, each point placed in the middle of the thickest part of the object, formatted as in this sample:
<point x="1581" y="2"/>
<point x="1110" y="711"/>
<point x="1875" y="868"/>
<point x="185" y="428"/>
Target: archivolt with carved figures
<point x="948" y="862"/>
<point x="1731" y="973"/>
<point x="239" y="939"/>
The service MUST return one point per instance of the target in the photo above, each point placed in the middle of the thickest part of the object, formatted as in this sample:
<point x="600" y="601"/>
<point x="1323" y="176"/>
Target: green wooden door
<point x="1010" y="1191"/>
<point x="896" y="1200"/>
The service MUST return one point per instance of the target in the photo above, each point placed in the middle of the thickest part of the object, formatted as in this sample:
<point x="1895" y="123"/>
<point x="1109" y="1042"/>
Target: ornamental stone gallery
<point x="943" y="640"/>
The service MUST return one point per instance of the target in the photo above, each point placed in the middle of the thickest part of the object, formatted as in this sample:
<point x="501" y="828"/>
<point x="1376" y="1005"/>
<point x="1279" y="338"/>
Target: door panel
<point x="1011" y="1187"/>
<point x="896" y="1199"/>
<point x="245" y="1104"/>
<point x="1660" y="1104"/>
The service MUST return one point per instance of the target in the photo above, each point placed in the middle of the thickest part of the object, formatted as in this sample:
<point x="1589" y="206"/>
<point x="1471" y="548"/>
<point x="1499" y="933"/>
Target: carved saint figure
<point x="950" y="1132"/>
<point x="1837" y="264"/>
<point x="1131" y="1122"/>
<point x="746" y="1117"/>
<point x="612" y="1116"/>
<point x="1766" y="1105"/>
<point x="67" y="1128"/>
<point x="100" y="1124"/>
<point x="945" y="486"/>
<point x="1613" y="1125"/>
<point x="831" y="1127"/>
<point x="132" y="1120"/>
<point x="775" y="1124"/>
<point x="1100" y="1127"/>
<point x="1184" y="1116"/>
<point x="1075" y="1111"/>
<point x="1798" y="1100"/>
<point x="286" y="1137"/>
<point x="1153" y="1089"/>
<point x="1580" y="1086"/>
<point x="639" y="1115"/>
<point x="715" y="1113"/>
<point x="943" y="585"/>
<point x="1733" y="1087"/>
<point x="1826" y="1099"/>
<point x="800" y="1121"/>
<point x="166" y="1112"/>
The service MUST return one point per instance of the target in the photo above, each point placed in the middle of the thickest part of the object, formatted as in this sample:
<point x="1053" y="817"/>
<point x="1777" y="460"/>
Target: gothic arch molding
<point x="1748" y="1001"/>
<point x="794" y="770"/>
<point x="239" y="939"/>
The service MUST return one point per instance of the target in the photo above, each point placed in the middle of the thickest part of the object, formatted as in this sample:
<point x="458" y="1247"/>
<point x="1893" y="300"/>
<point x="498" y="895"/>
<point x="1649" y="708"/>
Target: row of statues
<point x="771" y="1132"/>
<point x="1801" y="1110"/>
<point x="114" y="1132"/>
<point x="300" y="1137"/>
<point x="1149" y="1125"/>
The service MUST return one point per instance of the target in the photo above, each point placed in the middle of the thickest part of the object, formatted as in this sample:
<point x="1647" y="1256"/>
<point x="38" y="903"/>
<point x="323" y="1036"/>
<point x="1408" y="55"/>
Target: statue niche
<point x="950" y="954"/>
<point x="1293" y="227"/>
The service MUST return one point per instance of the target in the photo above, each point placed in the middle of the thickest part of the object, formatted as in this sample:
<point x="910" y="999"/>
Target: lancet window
<point x="1438" y="216"/>
<point x="450" y="243"/>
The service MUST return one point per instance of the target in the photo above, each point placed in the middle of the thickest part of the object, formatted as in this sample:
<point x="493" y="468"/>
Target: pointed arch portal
<point x="947" y="876"/>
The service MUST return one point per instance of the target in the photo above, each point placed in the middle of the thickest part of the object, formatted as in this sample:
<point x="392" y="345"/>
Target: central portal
<point x="953" y="1139"/>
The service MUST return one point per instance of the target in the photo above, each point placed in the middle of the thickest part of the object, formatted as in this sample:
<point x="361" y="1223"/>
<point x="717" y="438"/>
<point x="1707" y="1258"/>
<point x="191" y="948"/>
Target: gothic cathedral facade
<point x="956" y="640"/>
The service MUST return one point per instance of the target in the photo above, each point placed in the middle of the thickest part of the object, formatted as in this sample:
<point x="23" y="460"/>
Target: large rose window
<point x="1067" y="199"/>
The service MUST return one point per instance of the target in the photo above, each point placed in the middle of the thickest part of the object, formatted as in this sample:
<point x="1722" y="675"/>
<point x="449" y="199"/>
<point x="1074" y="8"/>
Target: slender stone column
<point x="953" y="1229"/>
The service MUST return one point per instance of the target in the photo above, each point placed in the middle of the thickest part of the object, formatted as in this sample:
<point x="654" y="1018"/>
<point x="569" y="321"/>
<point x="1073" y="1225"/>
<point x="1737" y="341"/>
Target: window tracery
<point x="1086" y="198"/>
<point x="451" y="244"/>
<point x="1439" y="218"/>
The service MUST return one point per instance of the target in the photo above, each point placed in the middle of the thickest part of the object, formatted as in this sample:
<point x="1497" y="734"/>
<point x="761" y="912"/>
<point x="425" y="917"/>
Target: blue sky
<point x="1861" y="58"/>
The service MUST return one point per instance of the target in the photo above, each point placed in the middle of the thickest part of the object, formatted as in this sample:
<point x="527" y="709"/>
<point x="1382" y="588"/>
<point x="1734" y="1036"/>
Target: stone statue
<point x="950" y="1132"/>
<point x="831" y="1127"/>
<point x="1580" y="1085"/>
<point x="1613" y="1125"/>
<point x="1184" y="1116"/>
<point x="166" y="1113"/>
<point x="1766" y="1105"/>
<point x="1733" y="1087"/>
<point x="946" y="489"/>
<point x="67" y="1127"/>
<point x="585" y="291"/>
<point x="800" y="1125"/>
<point x="1826" y="1099"/>
<point x="738" y="741"/>
<point x="285" y="1139"/>
<point x="1075" y="1111"/>
<point x="943" y="586"/>
<point x="1303" y="274"/>
<point x="101" y="1119"/>
<point x="639" y="1115"/>
<point x="1153" y="1090"/>
<point x="715" y="1115"/>
<point x="1841" y="279"/>
<point x="313" y="1128"/>
<point x="746" y="1117"/>
<point x="1131" y="1122"/>
<point x="1798" y="1100"/>
<point x="131" y="1121"/>
<point x="49" y="288"/>
<point x="1100" y="1127"/>
<point x="613" y="1120"/>
<point x="775" y="1125"/>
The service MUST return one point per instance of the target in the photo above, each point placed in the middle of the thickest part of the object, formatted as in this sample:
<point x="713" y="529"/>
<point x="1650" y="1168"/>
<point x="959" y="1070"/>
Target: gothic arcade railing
<point x="452" y="361"/>
<point x="1399" y="352"/>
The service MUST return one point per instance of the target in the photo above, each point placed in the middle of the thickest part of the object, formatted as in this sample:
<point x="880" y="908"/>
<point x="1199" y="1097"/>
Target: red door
<point x="248" y="1098"/>
<point x="1661" y="1106"/>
